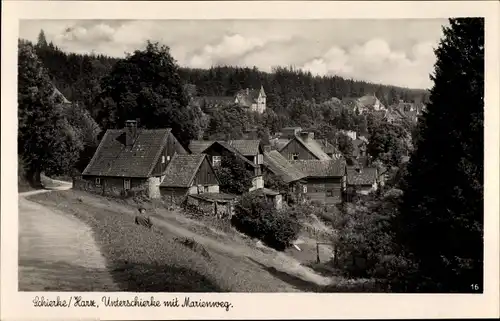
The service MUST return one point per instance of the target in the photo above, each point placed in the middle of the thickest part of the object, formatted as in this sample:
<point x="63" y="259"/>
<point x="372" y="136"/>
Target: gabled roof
<point x="205" y="145"/>
<point x="367" y="176"/>
<point x="58" y="95"/>
<point x="114" y="158"/>
<point x="321" y="168"/>
<point x="247" y="97"/>
<point x="237" y="153"/>
<point x="312" y="146"/>
<point x="411" y="115"/>
<point x="368" y="100"/>
<point x="393" y="114"/>
<point x="182" y="170"/>
<point x="279" y="143"/>
<point x="278" y="164"/>
<point x="247" y="147"/>
<point x="351" y="100"/>
<point x="217" y="99"/>
<point x="327" y="147"/>
<point x="199" y="146"/>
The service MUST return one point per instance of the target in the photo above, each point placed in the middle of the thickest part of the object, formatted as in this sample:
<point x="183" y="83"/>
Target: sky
<point x="393" y="52"/>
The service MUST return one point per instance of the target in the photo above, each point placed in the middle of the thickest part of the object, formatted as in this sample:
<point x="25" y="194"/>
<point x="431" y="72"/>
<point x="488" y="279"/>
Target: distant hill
<point x="78" y="77"/>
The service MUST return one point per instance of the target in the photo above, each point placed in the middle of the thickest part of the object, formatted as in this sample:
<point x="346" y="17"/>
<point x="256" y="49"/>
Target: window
<point x="295" y="156"/>
<point x="168" y="158"/>
<point x="98" y="181"/>
<point x="205" y="190"/>
<point x="329" y="193"/>
<point x="304" y="189"/>
<point x="163" y="159"/>
<point x="126" y="184"/>
<point x="216" y="160"/>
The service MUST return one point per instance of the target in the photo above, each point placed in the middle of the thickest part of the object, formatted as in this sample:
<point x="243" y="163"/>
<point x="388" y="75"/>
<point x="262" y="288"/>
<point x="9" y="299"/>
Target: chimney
<point x="130" y="132"/>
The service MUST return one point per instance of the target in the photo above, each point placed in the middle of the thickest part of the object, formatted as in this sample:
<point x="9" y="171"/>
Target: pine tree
<point x="441" y="222"/>
<point x="46" y="141"/>
<point x="42" y="41"/>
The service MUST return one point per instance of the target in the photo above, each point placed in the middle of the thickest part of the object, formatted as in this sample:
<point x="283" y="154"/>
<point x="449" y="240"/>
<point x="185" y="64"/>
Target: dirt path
<point x="277" y="260"/>
<point x="57" y="252"/>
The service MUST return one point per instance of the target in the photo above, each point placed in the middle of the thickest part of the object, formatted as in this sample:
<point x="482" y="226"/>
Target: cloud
<point x="93" y="34"/>
<point x="232" y="49"/>
<point x="398" y="52"/>
<point x="377" y="62"/>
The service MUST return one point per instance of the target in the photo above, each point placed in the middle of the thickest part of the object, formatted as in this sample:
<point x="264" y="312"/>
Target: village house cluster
<point x="152" y="162"/>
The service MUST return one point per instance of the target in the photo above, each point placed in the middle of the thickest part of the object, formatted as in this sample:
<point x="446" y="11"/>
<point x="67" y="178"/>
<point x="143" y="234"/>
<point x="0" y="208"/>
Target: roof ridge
<point x="158" y="153"/>
<point x="99" y="147"/>
<point x="200" y="161"/>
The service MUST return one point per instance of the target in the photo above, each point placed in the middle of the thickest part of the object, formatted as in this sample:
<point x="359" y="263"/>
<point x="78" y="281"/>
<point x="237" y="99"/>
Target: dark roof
<point x="113" y="158"/>
<point x="279" y="143"/>
<point x="247" y="97"/>
<point x="237" y="153"/>
<point x="265" y="191"/>
<point x="411" y="115"/>
<point x="312" y="146"/>
<point x="217" y="99"/>
<point x="281" y="167"/>
<point x="247" y="147"/>
<point x="200" y="143"/>
<point x="327" y="147"/>
<point x="321" y="168"/>
<point x="367" y="176"/>
<point x="199" y="146"/>
<point x="368" y="101"/>
<point x="59" y="96"/>
<point x="182" y="169"/>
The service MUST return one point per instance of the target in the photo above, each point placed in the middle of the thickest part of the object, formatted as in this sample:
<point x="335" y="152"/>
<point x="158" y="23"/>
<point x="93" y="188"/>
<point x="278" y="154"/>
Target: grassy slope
<point x="141" y="260"/>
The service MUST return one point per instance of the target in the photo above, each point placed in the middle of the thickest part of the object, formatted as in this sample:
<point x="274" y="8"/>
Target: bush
<point x="365" y="242"/>
<point x="257" y="217"/>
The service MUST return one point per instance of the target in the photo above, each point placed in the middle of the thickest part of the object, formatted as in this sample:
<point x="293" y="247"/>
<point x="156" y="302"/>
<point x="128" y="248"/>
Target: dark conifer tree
<point x="42" y="40"/>
<point x="441" y="220"/>
<point x="46" y="141"/>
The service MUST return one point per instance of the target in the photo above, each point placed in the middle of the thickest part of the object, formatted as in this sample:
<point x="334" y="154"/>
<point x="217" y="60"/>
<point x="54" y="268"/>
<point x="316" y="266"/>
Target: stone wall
<point x="209" y="207"/>
<point x="112" y="186"/>
<point x="173" y="195"/>
<point x="154" y="187"/>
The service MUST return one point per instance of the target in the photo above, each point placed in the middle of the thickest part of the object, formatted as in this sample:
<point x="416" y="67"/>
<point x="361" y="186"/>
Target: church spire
<point x="262" y="92"/>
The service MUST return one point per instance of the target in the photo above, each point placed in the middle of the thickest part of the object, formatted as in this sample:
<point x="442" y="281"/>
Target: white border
<point x="15" y="305"/>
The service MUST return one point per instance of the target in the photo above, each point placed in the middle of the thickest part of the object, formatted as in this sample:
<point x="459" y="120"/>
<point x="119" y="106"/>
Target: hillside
<point x="78" y="77"/>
